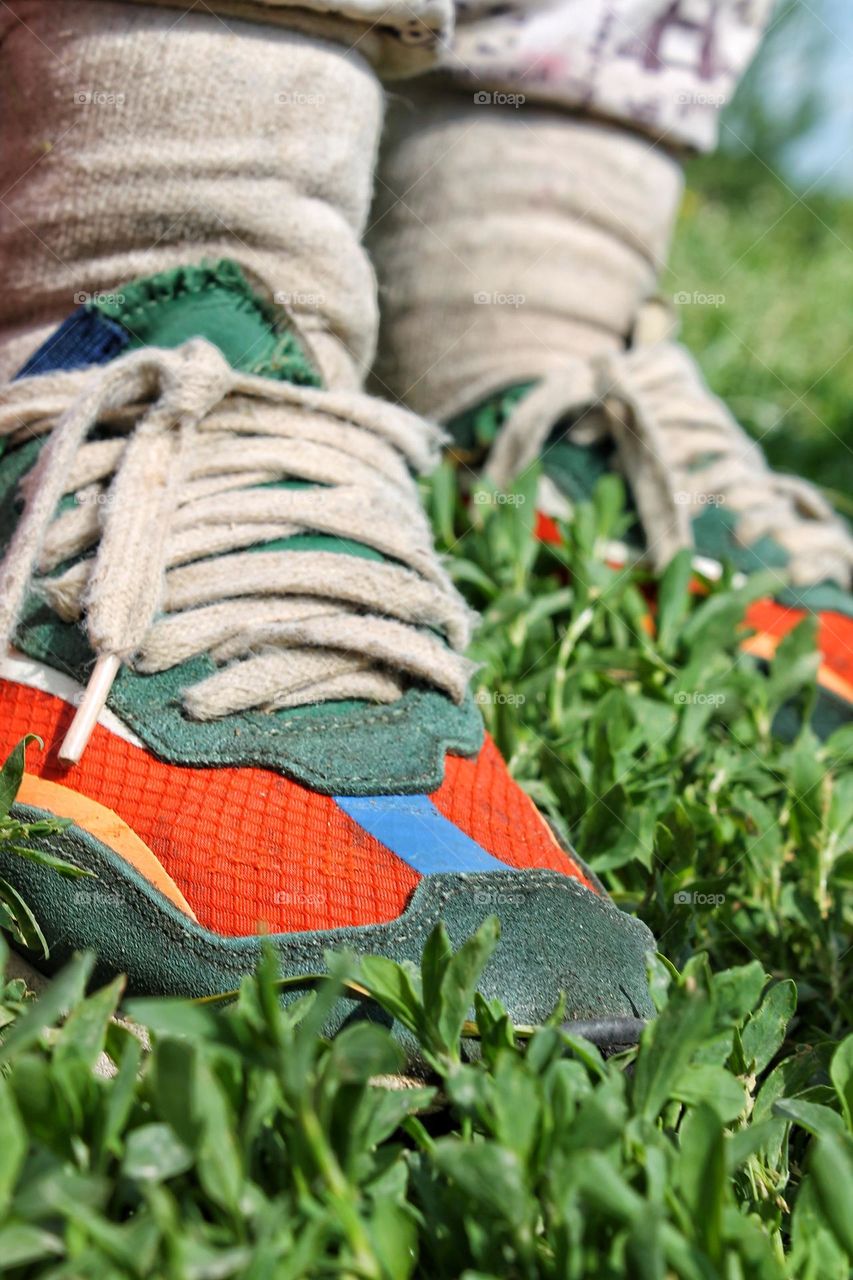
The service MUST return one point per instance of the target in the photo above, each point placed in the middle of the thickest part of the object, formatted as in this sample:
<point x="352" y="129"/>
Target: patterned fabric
<point x="663" y="66"/>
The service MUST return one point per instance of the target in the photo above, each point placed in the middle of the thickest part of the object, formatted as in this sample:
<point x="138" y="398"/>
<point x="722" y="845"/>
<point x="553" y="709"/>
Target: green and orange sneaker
<point x="695" y="480"/>
<point x="228" y="624"/>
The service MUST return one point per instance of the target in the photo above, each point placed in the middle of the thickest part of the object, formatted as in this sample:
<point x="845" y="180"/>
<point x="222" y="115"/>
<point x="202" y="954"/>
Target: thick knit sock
<point x="133" y="140"/>
<point x="508" y="240"/>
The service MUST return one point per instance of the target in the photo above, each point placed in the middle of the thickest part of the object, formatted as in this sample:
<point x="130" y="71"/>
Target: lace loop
<point x="194" y="476"/>
<point x="680" y="448"/>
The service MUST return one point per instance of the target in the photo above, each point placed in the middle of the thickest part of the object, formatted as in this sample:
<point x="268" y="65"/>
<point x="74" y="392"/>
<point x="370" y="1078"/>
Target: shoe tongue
<point x="165" y="310"/>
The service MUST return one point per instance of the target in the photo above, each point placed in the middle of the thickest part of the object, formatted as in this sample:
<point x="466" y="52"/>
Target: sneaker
<point x="695" y="479"/>
<point x="230" y="629"/>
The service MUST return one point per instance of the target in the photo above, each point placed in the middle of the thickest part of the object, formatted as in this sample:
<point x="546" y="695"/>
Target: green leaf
<point x="393" y="1232"/>
<point x="154" y="1153"/>
<point x="459" y="982"/>
<point x="50" y="860"/>
<point x="175" y="1087"/>
<point x="605" y="1187"/>
<point x="391" y="985"/>
<point x="383" y="1110"/>
<point x="174" y="1017"/>
<point x="18" y="918"/>
<point x="120" y="1097"/>
<point x="489" y="1176"/>
<point x="795" y="662"/>
<point x="821" y="1121"/>
<point x="831" y="1168"/>
<point x="736" y="992"/>
<point x="21" y="1244"/>
<point x="715" y="621"/>
<point x="13" y="1144"/>
<point x="609" y="504"/>
<point x="437" y="954"/>
<point x="219" y="1161"/>
<point x="645" y="1248"/>
<point x="702" y="1176"/>
<point x="709" y="1086"/>
<point x="674" y="600"/>
<point x="764" y="1033"/>
<point x="841" y="1073"/>
<point x="13" y="771"/>
<point x="744" y="1143"/>
<point x="84" y="1034"/>
<point x="57" y="999"/>
<point x="668" y="1045"/>
<point x="516" y="1105"/>
<point x="839" y="745"/>
<point x="365" y="1050"/>
<point x="444" y="495"/>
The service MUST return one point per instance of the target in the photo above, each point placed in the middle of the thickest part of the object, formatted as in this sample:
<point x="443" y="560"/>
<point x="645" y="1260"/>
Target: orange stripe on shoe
<point x="480" y="797"/>
<point x="105" y="825"/>
<point x="547" y="529"/>
<point x="248" y="848"/>
<point x="764" y="646"/>
<point x="835" y="633"/>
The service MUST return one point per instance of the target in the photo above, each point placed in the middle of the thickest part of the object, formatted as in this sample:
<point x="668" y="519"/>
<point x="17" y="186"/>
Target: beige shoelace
<point x="680" y="448"/>
<point x="167" y="503"/>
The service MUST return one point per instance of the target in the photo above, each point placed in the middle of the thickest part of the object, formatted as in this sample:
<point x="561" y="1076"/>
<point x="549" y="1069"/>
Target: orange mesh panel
<point x="835" y="635"/>
<point x="484" y="802"/>
<point x="245" y="846"/>
<point x="547" y="530"/>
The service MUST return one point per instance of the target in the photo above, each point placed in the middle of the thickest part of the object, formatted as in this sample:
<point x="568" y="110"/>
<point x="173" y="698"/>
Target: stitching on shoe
<point x="297" y="767"/>
<point x="230" y="953"/>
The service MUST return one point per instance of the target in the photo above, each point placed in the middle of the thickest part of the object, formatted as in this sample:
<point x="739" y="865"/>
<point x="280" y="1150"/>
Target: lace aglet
<point x="91" y="705"/>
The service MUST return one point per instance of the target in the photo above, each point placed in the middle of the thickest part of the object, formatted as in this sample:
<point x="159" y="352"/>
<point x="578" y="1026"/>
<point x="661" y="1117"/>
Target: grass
<point x="776" y="347"/>
<point x="242" y="1143"/>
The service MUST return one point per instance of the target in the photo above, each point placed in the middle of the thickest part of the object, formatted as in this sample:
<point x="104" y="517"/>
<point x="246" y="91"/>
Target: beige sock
<point x="133" y="139"/>
<point x="506" y="240"/>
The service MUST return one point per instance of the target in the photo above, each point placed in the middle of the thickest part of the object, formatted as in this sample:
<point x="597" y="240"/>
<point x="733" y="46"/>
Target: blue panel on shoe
<point x="414" y="829"/>
<point x="85" y="338"/>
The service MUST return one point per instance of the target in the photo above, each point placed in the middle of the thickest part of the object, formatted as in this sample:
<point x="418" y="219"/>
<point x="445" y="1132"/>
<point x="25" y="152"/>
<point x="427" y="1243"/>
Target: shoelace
<point x="678" y="445"/>
<point x="167" y="502"/>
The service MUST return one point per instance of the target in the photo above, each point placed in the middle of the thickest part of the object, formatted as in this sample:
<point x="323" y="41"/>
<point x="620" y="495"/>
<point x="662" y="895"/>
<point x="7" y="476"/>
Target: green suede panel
<point x="556" y="935"/>
<point x="321" y="542"/>
<point x="827" y="596"/>
<point x="352" y="748"/>
<point x="714" y="536"/>
<point x="577" y="469"/>
<point x="830" y="713"/>
<point x="13" y="466"/>
<point x="215" y="302"/>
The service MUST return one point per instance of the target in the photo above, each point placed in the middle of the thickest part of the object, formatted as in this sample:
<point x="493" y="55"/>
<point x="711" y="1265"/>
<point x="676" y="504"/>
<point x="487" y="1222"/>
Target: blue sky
<point x="825" y="156"/>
